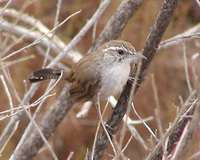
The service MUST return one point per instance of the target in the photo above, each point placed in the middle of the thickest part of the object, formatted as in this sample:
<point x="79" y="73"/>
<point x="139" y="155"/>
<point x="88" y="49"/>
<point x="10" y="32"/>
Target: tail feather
<point x="42" y="74"/>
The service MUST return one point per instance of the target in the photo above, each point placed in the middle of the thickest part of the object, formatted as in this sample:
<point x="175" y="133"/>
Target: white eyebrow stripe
<point x="115" y="48"/>
<point x="128" y="49"/>
<point x="124" y="48"/>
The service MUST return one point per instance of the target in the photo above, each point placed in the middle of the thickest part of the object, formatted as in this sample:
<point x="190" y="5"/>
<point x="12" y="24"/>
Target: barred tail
<point x="42" y="74"/>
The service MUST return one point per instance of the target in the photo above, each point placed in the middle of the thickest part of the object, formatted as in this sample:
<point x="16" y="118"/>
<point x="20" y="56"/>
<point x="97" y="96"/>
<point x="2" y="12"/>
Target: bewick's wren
<point x="104" y="71"/>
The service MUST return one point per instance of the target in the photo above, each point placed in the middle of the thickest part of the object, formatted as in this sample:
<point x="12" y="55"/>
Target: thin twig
<point x="60" y="107"/>
<point x="7" y="4"/>
<point x="36" y="114"/>
<point x="186" y="69"/>
<point x="149" y="50"/>
<point x="23" y="7"/>
<point x="157" y="110"/>
<point x="7" y="93"/>
<point x="123" y="131"/>
<point x="82" y="32"/>
<point x="53" y="33"/>
<point x="188" y="35"/>
<point x="148" y="128"/>
<point x="40" y="38"/>
<point x="70" y="155"/>
<point x="16" y="118"/>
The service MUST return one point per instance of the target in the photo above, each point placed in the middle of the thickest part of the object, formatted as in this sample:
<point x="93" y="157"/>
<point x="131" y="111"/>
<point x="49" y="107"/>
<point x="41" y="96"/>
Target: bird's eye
<point x="120" y="51"/>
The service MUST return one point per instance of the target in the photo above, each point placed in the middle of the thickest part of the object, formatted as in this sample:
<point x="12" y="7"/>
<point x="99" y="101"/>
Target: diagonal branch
<point x="51" y="120"/>
<point x="149" y="51"/>
<point x="60" y="107"/>
<point x="117" y="22"/>
<point x="174" y="134"/>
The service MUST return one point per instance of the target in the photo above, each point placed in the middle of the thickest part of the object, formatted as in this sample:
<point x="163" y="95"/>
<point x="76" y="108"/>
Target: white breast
<point x="114" y="78"/>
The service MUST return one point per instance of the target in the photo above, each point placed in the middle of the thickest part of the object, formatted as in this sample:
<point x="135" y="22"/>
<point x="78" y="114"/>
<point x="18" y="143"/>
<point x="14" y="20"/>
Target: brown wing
<point x="84" y="78"/>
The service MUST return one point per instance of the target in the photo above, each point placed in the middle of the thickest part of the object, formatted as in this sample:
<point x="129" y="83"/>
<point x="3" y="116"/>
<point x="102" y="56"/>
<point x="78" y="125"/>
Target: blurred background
<point x="168" y="68"/>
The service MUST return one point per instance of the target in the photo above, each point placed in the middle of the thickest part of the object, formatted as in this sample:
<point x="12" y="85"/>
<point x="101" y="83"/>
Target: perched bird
<point x="104" y="72"/>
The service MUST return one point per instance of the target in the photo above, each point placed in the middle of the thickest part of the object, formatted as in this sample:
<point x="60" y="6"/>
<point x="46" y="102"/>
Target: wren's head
<point x="120" y="51"/>
<point x="116" y="58"/>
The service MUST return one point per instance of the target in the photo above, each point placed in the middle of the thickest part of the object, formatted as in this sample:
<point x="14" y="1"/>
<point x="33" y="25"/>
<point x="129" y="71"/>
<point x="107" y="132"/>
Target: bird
<point x="102" y="73"/>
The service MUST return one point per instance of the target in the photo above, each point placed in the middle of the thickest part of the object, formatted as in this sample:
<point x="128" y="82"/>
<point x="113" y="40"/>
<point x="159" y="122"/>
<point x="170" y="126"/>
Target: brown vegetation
<point x="77" y="134"/>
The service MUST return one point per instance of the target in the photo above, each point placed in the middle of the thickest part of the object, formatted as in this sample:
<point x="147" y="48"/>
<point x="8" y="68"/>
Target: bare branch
<point x="192" y="33"/>
<point x="175" y="131"/>
<point x="117" y="22"/>
<point x="183" y="145"/>
<point x="177" y="137"/>
<point x="149" y="51"/>
<point x="58" y="111"/>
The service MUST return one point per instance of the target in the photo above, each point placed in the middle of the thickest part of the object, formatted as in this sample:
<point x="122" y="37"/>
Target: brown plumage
<point x="104" y="71"/>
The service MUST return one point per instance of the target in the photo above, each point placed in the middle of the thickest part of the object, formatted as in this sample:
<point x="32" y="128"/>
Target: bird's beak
<point x="138" y="55"/>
